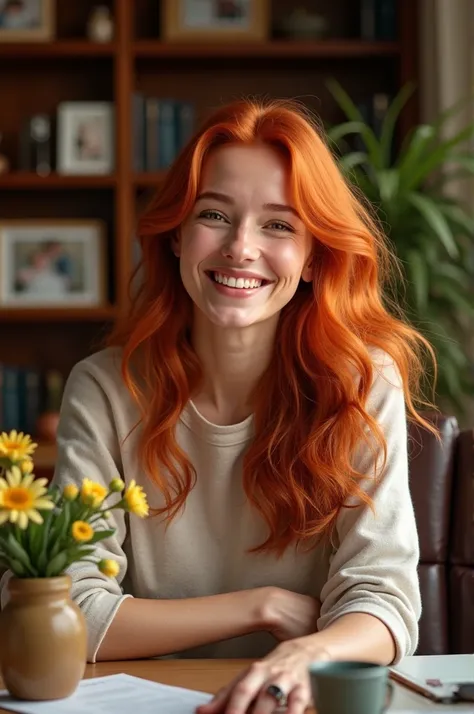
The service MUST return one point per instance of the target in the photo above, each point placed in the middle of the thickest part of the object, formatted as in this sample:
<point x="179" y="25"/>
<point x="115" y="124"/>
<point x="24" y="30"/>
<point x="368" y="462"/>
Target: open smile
<point x="236" y="286"/>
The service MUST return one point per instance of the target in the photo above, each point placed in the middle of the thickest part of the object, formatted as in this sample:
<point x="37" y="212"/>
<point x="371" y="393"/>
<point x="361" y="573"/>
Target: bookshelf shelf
<point x="271" y="50"/>
<point x="148" y="179"/>
<point x="69" y="314"/>
<point x="62" y="48"/>
<point x="29" y="180"/>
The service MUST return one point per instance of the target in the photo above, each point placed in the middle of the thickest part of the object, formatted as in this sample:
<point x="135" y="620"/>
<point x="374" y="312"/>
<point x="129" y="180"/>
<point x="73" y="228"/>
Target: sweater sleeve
<point x="374" y="566"/>
<point x="88" y="447"/>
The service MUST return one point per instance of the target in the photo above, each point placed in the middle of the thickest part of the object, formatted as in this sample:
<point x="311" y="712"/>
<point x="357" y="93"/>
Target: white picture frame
<point x="85" y="138"/>
<point x="27" y="21"/>
<point x="52" y="263"/>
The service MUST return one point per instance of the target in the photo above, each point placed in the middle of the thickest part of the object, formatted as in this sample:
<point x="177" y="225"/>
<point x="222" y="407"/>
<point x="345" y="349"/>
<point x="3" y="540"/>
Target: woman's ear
<point x="176" y="244"/>
<point x="307" y="274"/>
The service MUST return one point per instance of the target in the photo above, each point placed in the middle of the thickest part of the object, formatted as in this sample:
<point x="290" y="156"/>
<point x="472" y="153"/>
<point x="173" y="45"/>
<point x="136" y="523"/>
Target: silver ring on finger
<point x="277" y="693"/>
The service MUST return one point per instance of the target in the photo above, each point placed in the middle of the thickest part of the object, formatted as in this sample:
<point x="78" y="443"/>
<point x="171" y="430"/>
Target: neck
<point x="233" y="361"/>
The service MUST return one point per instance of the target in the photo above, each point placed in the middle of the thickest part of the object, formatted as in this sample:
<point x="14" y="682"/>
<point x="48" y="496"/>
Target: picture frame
<point x="52" y="263"/>
<point x="27" y="20"/>
<point x="215" y="20"/>
<point x="85" y="138"/>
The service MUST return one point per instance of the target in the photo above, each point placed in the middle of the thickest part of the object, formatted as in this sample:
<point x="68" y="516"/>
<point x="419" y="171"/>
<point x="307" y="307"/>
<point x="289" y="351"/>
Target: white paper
<point x="118" y="693"/>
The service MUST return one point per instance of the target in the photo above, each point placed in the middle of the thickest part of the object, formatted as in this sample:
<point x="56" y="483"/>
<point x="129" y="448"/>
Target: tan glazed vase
<point x="43" y="639"/>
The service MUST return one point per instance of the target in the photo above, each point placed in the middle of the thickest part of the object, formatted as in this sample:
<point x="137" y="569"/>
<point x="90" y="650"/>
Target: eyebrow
<point x="224" y="198"/>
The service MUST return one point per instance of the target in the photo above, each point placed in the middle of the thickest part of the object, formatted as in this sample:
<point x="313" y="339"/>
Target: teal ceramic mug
<point x="350" y="687"/>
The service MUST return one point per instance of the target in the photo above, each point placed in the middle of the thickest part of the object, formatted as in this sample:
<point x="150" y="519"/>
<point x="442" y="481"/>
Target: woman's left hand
<point x="286" y="667"/>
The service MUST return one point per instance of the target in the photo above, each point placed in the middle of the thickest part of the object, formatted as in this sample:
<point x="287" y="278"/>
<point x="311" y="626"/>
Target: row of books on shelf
<point x="160" y="129"/>
<point x="27" y="392"/>
<point x="378" y="19"/>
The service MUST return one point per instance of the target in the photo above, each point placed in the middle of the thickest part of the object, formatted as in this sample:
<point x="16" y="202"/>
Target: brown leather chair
<point x="442" y="487"/>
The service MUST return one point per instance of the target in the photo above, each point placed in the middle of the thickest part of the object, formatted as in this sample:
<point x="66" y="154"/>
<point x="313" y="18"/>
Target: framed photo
<point x="26" y="20"/>
<point x="85" y="138"/>
<point x="52" y="263"/>
<point x="214" y="20"/>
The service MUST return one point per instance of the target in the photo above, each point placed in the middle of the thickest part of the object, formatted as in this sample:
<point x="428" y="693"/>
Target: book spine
<point x="152" y="137"/>
<point x="367" y="19"/>
<point x="29" y="386"/>
<point x="10" y="398"/>
<point x="185" y="122"/>
<point x="167" y="133"/>
<point x="138" y="132"/>
<point x="386" y="20"/>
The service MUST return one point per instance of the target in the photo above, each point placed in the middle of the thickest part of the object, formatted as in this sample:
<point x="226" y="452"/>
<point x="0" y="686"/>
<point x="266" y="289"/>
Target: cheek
<point x="198" y="244"/>
<point x="287" y="259"/>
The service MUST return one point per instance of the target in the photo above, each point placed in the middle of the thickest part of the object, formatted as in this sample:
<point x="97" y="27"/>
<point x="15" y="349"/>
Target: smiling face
<point x="243" y="249"/>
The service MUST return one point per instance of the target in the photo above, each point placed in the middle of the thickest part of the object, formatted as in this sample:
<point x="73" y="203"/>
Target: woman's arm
<point x="151" y="628"/>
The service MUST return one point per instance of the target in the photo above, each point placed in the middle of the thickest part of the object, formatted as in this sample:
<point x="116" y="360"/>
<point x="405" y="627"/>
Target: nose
<point x="241" y="245"/>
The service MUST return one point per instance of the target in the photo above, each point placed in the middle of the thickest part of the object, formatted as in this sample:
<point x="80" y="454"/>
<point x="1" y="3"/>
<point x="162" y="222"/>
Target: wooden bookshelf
<point x="36" y="77"/>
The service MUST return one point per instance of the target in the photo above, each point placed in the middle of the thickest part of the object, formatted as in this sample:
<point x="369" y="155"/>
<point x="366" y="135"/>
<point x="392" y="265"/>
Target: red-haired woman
<point x="258" y="393"/>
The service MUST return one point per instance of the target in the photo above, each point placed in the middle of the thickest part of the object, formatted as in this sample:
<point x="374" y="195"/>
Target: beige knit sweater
<point x="372" y="567"/>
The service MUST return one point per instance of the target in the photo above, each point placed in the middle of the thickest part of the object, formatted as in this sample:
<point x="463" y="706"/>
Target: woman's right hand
<point x="287" y="614"/>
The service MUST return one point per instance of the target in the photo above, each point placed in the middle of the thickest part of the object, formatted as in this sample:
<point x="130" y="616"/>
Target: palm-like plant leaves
<point x="432" y="234"/>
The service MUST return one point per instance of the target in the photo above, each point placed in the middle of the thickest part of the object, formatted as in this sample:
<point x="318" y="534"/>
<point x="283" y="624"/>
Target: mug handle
<point x="388" y="697"/>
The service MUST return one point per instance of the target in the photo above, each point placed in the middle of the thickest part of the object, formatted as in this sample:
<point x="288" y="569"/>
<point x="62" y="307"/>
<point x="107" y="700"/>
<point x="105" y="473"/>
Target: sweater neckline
<point x="217" y="434"/>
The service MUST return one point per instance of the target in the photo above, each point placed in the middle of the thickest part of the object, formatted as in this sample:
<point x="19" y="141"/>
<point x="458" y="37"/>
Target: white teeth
<point x="237" y="282"/>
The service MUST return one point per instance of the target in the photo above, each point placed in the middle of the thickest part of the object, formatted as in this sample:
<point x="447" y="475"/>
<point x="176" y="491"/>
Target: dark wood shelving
<point x="271" y="50"/>
<point x="59" y="48"/>
<point x="146" y="179"/>
<point x="29" y="180"/>
<point x="108" y="313"/>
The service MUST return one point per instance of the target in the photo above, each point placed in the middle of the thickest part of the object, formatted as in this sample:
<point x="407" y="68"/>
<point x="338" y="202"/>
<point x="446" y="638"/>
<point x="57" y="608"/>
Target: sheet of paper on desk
<point x="118" y="693"/>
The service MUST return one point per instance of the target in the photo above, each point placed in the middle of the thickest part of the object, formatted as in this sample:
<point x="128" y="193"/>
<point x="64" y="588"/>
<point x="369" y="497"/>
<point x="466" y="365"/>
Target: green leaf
<point x="354" y="115"/>
<point x="388" y="181"/>
<point x="457" y="215"/>
<point x="435" y="219"/>
<point x="56" y="565"/>
<point x="101" y="535"/>
<point x="440" y="155"/>
<point x="17" y="552"/>
<point x="414" y="152"/>
<point x="338" y="132"/>
<point x="418" y="273"/>
<point x="390" y="121"/>
<point x="350" y="161"/>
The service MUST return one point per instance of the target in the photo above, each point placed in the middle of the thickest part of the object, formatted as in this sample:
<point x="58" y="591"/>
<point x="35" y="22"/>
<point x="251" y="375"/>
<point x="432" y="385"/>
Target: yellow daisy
<point x="16" y="446"/>
<point x="109" y="568"/>
<point x="93" y="493"/>
<point x="135" y="500"/>
<point x="22" y="497"/>
<point x="82" y="531"/>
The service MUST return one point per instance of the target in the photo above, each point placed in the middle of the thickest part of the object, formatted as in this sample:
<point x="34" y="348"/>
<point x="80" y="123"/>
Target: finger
<point x="298" y="700"/>
<point x="245" y="692"/>
<point x="267" y="703"/>
<point x="218" y="702"/>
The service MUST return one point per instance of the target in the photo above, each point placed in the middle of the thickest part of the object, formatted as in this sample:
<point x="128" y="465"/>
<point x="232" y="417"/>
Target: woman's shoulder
<point x="101" y="370"/>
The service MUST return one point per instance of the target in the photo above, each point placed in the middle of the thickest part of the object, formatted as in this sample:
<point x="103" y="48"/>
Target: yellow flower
<point x="21" y="497"/>
<point x="109" y="568"/>
<point x="135" y="500"/>
<point x="92" y="493"/>
<point x="16" y="446"/>
<point x="26" y="466"/>
<point x="117" y="485"/>
<point x="82" y="531"/>
<point x="70" y="492"/>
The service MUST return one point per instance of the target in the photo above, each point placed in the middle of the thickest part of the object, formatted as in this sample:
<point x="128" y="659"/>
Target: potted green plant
<point x="43" y="530"/>
<point x="431" y="233"/>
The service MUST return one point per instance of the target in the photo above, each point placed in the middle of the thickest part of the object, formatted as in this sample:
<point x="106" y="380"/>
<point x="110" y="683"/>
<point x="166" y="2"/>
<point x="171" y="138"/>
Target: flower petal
<point x="13" y="516"/>
<point x="22" y="520"/>
<point x="4" y="516"/>
<point x="34" y="516"/>
<point x="43" y="504"/>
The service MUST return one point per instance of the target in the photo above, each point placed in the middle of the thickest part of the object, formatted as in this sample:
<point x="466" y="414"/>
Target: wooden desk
<point x="206" y="675"/>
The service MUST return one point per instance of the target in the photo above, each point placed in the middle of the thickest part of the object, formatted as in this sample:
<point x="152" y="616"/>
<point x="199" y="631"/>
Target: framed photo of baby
<point x="26" y="20"/>
<point x="52" y="263"/>
<point x="214" y="20"/>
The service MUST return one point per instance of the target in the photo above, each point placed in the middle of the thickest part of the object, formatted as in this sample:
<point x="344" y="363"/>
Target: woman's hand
<point x="286" y="667"/>
<point x="289" y="615"/>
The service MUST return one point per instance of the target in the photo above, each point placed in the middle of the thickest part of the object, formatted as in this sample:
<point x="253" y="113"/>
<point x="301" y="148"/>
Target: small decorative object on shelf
<point x="303" y="25"/>
<point x="27" y="20"/>
<point x="100" y="25"/>
<point x="47" y="424"/>
<point x="43" y="530"/>
<point x="215" y="20"/>
<point x="85" y="138"/>
<point x="4" y="163"/>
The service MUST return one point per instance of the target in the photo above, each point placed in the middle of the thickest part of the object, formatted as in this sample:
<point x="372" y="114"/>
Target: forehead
<point x="236" y="166"/>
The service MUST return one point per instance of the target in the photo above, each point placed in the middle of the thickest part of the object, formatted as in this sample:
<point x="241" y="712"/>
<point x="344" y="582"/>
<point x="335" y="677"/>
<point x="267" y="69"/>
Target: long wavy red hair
<point x="310" y="405"/>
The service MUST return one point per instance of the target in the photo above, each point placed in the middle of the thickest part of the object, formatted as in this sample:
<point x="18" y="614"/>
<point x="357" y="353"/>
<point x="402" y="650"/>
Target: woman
<point x="257" y="392"/>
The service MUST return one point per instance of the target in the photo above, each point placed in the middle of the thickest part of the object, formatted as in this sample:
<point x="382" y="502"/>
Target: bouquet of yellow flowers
<point x="43" y="529"/>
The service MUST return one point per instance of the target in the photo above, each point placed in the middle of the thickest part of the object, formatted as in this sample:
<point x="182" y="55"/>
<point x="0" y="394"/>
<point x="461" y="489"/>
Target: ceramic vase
<point x="43" y="639"/>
